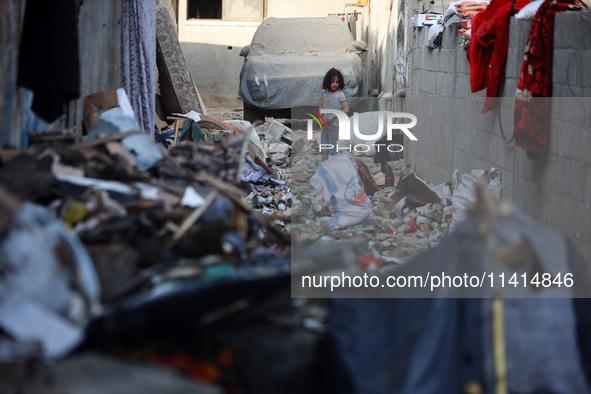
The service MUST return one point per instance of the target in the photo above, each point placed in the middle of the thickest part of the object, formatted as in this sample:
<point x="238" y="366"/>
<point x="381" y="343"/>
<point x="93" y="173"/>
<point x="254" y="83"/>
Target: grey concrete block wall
<point x="453" y="133"/>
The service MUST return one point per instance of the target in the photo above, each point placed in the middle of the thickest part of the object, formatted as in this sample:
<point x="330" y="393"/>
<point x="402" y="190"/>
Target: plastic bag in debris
<point x="313" y="143"/>
<point x="434" y="32"/>
<point x="91" y="208"/>
<point x="146" y="154"/>
<point x="465" y="192"/>
<point x="113" y="121"/>
<point x="48" y="285"/>
<point x="413" y="192"/>
<point x="442" y="191"/>
<point x="337" y="183"/>
<point x="252" y="138"/>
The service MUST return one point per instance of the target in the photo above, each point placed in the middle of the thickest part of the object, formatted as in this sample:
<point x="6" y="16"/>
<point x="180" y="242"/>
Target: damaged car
<point x="287" y="60"/>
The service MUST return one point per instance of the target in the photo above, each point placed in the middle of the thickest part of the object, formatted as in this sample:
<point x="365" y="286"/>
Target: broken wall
<point x="555" y="190"/>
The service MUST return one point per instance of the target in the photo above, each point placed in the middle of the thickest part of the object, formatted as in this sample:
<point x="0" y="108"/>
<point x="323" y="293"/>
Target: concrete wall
<point x="212" y="47"/>
<point x="100" y="46"/>
<point x="212" y="54"/>
<point x="453" y="134"/>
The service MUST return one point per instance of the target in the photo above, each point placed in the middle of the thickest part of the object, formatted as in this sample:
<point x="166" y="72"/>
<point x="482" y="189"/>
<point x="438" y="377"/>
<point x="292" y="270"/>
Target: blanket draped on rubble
<point x="488" y="50"/>
<point x="138" y="59"/>
<point x="445" y="344"/>
<point x="49" y="64"/>
<point x="532" y="106"/>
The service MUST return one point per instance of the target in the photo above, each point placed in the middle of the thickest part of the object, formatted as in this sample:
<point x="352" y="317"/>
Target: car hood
<point x="288" y="80"/>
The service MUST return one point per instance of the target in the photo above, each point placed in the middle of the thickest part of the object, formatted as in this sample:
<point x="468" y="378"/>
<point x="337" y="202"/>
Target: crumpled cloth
<point x="487" y="53"/>
<point x="531" y="122"/>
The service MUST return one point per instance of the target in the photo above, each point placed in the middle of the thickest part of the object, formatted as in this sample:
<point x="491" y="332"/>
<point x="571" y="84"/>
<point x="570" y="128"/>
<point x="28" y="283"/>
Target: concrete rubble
<point x="137" y="234"/>
<point x="158" y="227"/>
<point x="410" y="215"/>
<point x="149" y="244"/>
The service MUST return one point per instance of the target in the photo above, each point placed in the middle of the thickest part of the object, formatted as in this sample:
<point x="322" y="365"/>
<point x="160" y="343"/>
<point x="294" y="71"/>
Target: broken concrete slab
<point x="262" y="129"/>
<point x="296" y="142"/>
<point x="275" y="131"/>
<point x="278" y="148"/>
<point x="279" y="157"/>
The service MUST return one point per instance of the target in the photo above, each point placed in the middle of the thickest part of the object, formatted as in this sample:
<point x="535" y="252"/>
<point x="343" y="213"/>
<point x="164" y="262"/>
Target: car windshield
<point x="302" y="35"/>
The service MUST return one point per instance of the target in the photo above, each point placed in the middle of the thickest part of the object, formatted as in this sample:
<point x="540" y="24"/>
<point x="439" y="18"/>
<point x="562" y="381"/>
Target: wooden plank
<point x="100" y="46"/>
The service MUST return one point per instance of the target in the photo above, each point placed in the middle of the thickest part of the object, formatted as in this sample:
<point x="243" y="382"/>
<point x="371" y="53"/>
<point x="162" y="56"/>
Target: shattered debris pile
<point x="392" y="214"/>
<point x="148" y="221"/>
<point x="188" y="240"/>
<point x="404" y="220"/>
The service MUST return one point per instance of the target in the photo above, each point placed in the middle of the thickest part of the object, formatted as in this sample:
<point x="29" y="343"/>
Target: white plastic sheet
<point x="336" y="181"/>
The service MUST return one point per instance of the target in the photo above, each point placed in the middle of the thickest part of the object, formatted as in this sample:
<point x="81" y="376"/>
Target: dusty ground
<point x="225" y="113"/>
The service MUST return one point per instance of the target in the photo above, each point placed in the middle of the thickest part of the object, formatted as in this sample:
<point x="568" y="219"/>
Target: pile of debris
<point x="174" y="237"/>
<point x="121" y="223"/>
<point x="268" y="169"/>
<point x="407" y="214"/>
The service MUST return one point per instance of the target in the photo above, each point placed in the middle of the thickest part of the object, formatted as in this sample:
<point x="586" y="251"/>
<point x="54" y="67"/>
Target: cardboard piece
<point x="160" y="124"/>
<point x="416" y="191"/>
<point x="96" y="103"/>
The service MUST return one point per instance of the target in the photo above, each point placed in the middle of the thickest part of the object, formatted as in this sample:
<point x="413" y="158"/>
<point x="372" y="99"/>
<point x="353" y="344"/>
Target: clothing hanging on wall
<point x="487" y="53"/>
<point x="138" y="59"/>
<point x="49" y="63"/>
<point x="531" y="121"/>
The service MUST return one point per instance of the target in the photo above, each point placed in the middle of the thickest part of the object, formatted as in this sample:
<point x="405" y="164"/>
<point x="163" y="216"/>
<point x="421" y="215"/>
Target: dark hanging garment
<point x="407" y="346"/>
<point x="49" y="64"/>
<point x="446" y="345"/>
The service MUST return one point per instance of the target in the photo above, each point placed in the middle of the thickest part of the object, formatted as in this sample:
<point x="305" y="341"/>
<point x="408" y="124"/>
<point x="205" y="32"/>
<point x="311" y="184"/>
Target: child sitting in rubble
<point x="332" y="97"/>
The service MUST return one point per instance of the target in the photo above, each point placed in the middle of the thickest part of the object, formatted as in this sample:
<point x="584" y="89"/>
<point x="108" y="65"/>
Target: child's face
<point x="334" y="84"/>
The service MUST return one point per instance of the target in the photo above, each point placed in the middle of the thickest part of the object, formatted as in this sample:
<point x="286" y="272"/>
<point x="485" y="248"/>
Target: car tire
<point x="252" y="114"/>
